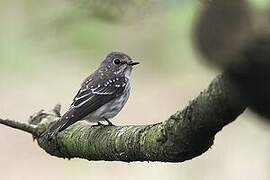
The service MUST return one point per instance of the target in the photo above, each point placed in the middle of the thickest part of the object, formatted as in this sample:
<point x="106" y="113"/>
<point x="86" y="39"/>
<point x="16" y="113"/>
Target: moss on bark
<point x="185" y="135"/>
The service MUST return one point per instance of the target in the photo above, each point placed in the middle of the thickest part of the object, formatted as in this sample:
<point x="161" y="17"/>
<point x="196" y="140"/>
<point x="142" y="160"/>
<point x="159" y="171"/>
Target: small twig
<point x="183" y="136"/>
<point x="57" y="110"/>
<point x="21" y="126"/>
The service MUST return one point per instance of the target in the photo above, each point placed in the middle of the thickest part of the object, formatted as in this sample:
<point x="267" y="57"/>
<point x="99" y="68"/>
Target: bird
<point x="102" y="95"/>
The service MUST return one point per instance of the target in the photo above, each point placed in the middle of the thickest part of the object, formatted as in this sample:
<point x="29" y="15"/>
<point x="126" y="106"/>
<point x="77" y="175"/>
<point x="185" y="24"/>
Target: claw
<point x="98" y="124"/>
<point x="109" y="122"/>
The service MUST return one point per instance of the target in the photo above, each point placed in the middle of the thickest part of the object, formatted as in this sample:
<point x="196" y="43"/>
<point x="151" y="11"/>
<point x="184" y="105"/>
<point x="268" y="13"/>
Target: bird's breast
<point x="112" y="108"/>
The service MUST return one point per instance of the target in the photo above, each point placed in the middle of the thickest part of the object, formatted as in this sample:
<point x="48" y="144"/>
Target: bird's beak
<point x="133" y="63"/>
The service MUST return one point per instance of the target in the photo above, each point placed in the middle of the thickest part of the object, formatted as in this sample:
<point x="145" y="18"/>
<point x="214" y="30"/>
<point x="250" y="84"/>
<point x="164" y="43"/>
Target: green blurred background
<point x="48" y="47"/>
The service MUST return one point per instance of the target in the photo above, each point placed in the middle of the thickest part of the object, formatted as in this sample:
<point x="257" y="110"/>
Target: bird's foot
<point x="98" y="124"/>
<point x="109" y="122"/>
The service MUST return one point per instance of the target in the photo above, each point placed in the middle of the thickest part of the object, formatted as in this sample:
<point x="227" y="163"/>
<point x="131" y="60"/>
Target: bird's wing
<point x="91" y="97"/>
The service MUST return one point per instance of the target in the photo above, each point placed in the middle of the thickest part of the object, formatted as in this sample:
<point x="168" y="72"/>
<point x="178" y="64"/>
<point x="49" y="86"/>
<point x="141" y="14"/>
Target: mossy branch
<point x="185" y="135"/>
<point x="18" y="125"/>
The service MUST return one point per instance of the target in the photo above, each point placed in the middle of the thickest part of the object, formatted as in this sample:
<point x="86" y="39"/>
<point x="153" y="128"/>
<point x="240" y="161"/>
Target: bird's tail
<point x="56" y="126"/>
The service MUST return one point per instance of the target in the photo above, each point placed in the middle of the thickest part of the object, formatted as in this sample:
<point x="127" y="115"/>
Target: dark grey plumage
<point x="102" y="95"/>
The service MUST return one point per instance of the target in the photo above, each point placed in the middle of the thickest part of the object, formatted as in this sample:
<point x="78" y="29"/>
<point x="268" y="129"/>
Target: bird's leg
<point x="98" y="124"/>
<point x="109" y="122"/>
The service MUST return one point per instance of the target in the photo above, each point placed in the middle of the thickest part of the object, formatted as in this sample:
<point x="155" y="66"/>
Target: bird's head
<point x="118" y="63"/>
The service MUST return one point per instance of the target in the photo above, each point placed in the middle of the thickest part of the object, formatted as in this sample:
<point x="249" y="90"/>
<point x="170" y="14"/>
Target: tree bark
<point x="183" y="136"/>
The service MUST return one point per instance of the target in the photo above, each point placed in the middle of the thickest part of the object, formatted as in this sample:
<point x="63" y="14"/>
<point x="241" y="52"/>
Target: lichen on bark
<point x="185" y="135"/>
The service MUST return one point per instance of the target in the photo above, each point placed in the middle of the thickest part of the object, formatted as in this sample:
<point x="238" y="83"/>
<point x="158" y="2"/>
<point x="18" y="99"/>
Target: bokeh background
<point x="48" y="47"/>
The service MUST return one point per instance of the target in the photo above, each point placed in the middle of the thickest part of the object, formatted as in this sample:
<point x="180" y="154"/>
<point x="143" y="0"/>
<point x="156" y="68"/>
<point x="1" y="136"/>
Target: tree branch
<point x="18" y="125"/>
<point x="185" y="135"/>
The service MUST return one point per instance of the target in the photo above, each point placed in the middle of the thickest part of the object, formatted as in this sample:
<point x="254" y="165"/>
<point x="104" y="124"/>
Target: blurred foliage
<point x="260" y="4"/>
<point x="233" y="36"/>
<point x="65" y="40"/>
<point x="37" y="32"/>
<point x="222" y="28"/>
<point x="155" y="31"/>
<point x="251" y="74"/>
<point x="112" y="10"/>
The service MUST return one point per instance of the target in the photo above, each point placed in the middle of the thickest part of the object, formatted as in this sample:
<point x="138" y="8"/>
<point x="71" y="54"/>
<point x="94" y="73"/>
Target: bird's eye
<point x="116" y="61"/>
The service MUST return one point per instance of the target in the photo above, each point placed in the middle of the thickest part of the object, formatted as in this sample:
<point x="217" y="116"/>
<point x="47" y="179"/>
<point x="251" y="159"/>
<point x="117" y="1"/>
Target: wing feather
<point x="89" y="99"/>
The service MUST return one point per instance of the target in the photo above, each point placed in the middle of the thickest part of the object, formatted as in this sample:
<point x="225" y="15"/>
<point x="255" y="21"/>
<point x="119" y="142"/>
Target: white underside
<point x="111" y="109"/>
